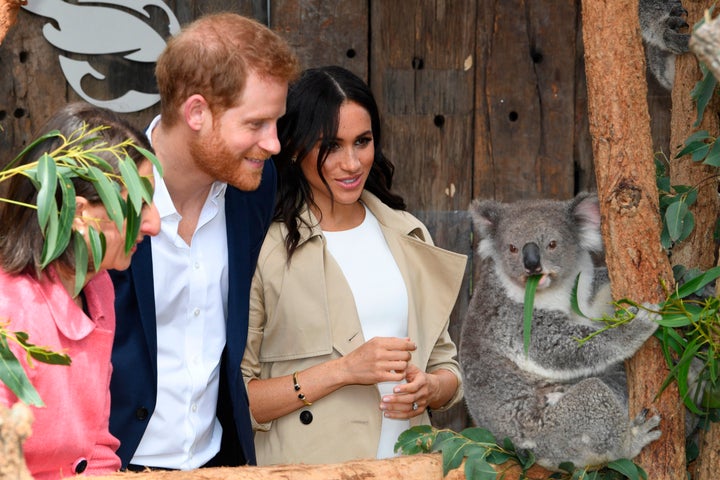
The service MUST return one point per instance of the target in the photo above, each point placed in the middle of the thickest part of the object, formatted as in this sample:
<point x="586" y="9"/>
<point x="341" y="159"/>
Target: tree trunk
<point x="8" y="15"/>
<point x="698" y="250"/>
<point x="631" y="225"/>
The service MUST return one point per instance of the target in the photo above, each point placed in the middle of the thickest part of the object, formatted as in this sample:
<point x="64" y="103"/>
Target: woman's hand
<point x="422" y="391"/>
<point x="380" y="359"/>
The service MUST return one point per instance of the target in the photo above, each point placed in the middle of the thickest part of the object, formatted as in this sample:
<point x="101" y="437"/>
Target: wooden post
<point x="631" y="226"/>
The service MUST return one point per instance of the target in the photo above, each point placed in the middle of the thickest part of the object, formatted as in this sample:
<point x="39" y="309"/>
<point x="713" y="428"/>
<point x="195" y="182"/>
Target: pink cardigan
<point x="71" y="433"/>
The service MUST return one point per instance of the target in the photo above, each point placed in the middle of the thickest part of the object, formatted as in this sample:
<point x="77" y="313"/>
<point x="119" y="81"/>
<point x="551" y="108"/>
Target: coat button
<point x="141" y="413"/>
<point x="80" y="465"/>
<point x="306" y="417"/>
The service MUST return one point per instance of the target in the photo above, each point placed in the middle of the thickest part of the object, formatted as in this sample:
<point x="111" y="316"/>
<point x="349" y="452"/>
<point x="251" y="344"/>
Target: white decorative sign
<point x="100" y="30"/>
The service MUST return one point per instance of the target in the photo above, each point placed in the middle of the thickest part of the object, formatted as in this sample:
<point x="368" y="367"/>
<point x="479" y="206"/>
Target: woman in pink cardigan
<point x="70" y="433"/>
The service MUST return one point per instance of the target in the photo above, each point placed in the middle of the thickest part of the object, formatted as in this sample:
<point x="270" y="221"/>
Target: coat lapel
<point x="142" y="275"/>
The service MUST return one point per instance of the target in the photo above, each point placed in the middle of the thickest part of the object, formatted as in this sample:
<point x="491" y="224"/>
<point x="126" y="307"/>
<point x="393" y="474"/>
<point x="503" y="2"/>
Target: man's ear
<point x="80" y="221"/>
<point x="196" y="112"/>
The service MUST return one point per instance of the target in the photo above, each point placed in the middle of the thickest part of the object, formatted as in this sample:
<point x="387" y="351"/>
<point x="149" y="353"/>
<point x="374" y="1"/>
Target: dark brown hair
<point x="313" y="108"/>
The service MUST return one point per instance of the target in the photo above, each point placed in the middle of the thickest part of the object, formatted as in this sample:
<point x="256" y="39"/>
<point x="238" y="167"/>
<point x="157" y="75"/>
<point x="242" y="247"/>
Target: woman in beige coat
<point x="348" y="343"/>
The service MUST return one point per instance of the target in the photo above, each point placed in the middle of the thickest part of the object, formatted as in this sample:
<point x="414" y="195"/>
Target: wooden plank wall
<point x="481" y="98"/>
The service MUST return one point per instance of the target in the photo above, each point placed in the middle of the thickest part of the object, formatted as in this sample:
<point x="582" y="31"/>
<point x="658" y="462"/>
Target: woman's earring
<point x="293" y="159"/>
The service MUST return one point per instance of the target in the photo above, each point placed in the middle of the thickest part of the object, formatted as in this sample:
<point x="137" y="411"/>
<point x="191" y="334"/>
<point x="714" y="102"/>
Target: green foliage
<point x="482" y="452"/>
<point x="530" y="288"/>
<point x="77" y="156"/>
<point x="675" y="202"/>
<point x="690" y="339"/>
<point x="11" y="371"/>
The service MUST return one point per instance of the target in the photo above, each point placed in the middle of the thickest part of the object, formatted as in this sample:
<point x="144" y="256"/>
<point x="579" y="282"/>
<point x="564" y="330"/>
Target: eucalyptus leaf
<point x="477" y="468"/>
<point x="626" y="467"/>
<point x="674" y="217"/>
<point x="67" y="215"/>
<point x="132" y="227"/>
<point x="48" y="356"/>
<point x="99" y="162"/>
<point x="415" y="440"/>
<point x="703" y="92"/>
<point x="530" y="288"/>
<point x="33" y="144"/>
<point x="47" y="179"/>
<point x="97" y="246"/>
<point x="695" y="284"/>
<point x="695" y="149"/>
<point x="477" y="434"/>
<point x="81" y="261"/>
<point x="150" y="156"/>
<point x="134" y="186"/>
<point x="14" y="377"/>
<point x="713" y="156"/>
<point x="452" y="453"/>
<point x="51" y="234"/>
<point x="148" y="190"/>
<point x="109" y="194"/>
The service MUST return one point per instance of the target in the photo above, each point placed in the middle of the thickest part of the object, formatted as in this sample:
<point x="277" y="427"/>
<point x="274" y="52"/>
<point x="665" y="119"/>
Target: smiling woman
<point x="348" y="343"/>
<point x="78" y="200"/>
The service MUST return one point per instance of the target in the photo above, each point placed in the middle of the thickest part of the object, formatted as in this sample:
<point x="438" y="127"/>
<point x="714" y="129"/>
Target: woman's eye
<point x="364" y="141"/>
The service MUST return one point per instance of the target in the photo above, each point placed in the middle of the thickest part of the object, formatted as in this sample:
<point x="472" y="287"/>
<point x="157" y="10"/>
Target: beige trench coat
<point x="303" y="315"/>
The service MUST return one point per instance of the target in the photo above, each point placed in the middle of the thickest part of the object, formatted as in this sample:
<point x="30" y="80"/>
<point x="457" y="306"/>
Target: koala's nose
<point x="531" y="258"/>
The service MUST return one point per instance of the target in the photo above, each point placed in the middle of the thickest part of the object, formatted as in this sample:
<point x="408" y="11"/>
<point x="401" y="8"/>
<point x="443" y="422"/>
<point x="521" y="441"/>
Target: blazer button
<point x="80" y="465"/>
<point x="306" y="417"/>
<point x="141" y="413"/>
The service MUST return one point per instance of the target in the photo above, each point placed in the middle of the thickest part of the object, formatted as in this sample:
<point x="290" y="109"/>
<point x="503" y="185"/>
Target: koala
<point x="660" y="23"/>
<point x="562" y="401"/>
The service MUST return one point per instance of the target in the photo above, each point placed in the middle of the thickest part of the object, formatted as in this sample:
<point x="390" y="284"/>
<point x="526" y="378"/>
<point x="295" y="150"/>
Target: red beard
<point x="212" y="156"/>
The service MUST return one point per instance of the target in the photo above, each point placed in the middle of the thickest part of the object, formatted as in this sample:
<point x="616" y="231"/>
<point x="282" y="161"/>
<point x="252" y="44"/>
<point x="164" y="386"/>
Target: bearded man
<point x="178" y="401"/>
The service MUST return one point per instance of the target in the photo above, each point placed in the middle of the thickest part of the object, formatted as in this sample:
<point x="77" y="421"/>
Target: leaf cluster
<point x="690" y="339"/>
<point x="79" y="155"/>
<point x="485" y="459"/>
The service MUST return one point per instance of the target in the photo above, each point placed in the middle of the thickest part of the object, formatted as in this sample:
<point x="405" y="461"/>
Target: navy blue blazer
<point x="133" y="386"/>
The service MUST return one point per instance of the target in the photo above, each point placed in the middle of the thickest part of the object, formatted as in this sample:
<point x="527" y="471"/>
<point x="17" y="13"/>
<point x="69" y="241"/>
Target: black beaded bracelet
<point x="296" y="386"/>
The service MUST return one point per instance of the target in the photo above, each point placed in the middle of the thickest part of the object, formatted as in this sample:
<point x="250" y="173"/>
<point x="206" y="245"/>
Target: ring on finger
<point x="414" y="406"/>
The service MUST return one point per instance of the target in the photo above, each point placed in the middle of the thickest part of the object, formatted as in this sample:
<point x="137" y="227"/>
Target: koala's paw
<point x="642" y="431"/>
<point x="647" y="315"/>
<point x="675" y="40"/>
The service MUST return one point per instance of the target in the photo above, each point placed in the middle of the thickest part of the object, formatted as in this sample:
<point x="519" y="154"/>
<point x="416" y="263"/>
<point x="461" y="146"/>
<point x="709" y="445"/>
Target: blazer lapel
<point x="142" y="275"/>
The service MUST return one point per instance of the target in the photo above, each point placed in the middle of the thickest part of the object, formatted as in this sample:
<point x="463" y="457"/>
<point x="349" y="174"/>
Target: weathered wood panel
<point x="31" y="84"/>
<point x="526" y="76"/>
<point x="325" y="33"/>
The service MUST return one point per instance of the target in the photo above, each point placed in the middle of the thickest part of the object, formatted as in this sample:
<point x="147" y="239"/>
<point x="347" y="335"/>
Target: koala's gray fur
<point x="562" y="401"/>
<point x="660" y="24"/>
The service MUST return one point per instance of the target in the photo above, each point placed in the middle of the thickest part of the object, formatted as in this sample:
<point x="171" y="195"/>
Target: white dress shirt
<point x="191" y="285"/>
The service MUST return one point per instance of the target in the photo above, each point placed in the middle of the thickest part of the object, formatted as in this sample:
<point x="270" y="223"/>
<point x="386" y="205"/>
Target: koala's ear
<point x="585" y="211"/>
<point x="486" y="216"/>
